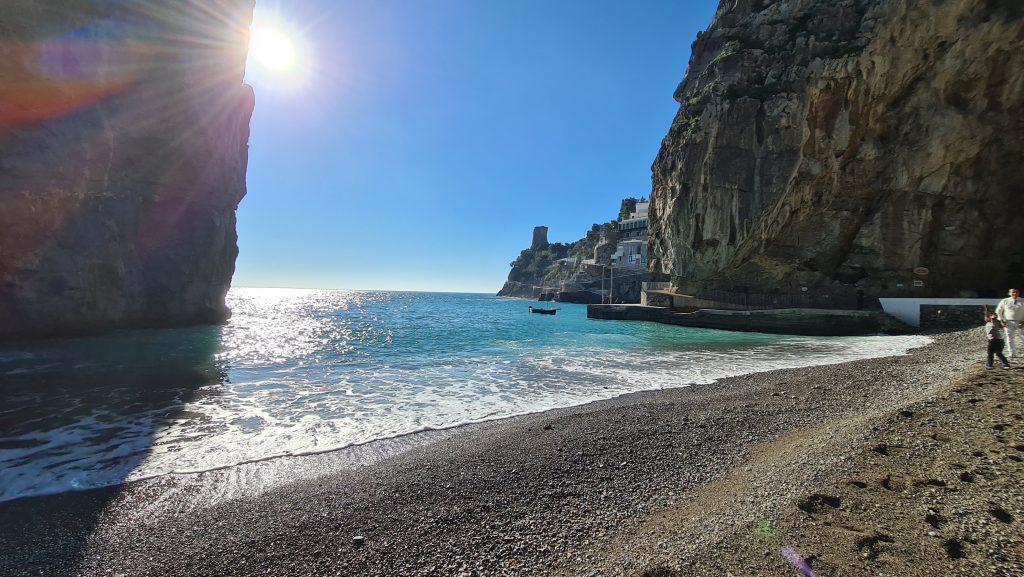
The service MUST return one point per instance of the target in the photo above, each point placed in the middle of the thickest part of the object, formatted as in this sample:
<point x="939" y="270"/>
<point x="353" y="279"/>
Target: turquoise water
<point x="301" y="371"/>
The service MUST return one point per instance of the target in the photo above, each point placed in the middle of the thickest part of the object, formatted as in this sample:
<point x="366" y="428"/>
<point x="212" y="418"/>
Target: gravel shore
<point x="700" y="480"/>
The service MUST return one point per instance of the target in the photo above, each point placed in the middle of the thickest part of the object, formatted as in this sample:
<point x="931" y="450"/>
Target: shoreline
<point x="354" y="454"/>
<point x="537" y="493"/>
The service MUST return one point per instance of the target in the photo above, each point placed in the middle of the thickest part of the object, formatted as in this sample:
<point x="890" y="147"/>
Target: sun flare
<point x="272" y="48"/>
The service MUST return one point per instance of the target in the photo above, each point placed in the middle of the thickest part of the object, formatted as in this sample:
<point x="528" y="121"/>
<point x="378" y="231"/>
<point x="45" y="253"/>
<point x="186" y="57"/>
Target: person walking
<point x="1011" y="313"/>
<point x="994" y="334"/>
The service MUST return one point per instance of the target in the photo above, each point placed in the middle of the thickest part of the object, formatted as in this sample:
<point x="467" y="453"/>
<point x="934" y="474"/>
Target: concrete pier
<point x="815" y="322"/>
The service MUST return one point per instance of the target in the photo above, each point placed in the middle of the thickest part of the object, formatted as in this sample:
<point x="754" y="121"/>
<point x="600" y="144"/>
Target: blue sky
<point x="415" y="143"/>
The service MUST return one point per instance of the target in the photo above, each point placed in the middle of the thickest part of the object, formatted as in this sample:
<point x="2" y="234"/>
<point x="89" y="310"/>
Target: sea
<point x="299" y="371"/>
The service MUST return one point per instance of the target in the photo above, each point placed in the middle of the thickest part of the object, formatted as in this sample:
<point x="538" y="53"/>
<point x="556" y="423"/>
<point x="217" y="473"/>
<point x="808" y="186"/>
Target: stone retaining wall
<point x="952" y="316"/>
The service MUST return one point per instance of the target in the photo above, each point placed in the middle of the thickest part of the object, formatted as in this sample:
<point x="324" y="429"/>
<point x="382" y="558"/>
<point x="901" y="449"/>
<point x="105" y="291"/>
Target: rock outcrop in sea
<point x="124" y="129"/>
<point x="844" y="145"/>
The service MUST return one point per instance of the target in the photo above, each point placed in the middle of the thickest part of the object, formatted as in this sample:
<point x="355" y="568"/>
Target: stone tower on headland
<point x="124" y="128"/>
<point x="540" y="237"/>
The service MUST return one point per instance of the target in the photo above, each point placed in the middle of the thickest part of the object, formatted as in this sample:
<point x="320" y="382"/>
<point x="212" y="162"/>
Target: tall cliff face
<point x="841" y="144"/>
<point x="123" y="148"/>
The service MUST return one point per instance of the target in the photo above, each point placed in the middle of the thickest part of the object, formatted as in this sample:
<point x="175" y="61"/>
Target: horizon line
<point x="472" y="292"/>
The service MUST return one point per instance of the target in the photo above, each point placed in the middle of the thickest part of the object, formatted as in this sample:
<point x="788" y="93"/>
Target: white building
<point x="631" y="250"/>
<point x="631" y="253"/>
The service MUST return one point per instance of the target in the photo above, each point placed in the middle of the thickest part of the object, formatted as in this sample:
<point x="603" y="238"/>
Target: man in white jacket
<point x="1011" y="312"/>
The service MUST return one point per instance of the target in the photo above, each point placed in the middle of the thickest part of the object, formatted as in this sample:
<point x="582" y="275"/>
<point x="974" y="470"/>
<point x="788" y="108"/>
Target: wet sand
<point x="708" y="479"/>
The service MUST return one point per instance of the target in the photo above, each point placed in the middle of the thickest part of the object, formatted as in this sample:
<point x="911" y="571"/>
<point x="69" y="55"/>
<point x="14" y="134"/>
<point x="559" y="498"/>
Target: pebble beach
<point x="901" y="465"/>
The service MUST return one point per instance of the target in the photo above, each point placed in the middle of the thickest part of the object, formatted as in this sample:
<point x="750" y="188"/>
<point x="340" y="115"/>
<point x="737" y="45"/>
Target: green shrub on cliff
<point x="628" y="205"/>
<point x="584" y="248"/>
<point x="533" y="265"/>
<point x="731" y="47"/>
<point x="684" y="122"/>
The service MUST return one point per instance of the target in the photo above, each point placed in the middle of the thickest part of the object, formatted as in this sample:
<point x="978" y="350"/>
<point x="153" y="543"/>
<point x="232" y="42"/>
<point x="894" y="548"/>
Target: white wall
<point x="908" y="310"/>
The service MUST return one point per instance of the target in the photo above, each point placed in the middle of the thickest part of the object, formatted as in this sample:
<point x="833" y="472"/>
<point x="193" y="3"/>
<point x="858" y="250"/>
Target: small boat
<point x="543" y="311"/>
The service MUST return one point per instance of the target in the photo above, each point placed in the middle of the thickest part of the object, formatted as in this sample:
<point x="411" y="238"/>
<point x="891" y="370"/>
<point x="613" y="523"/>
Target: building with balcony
<point x="631" y="250"/>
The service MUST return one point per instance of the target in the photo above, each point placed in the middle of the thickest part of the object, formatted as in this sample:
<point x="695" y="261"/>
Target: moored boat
<point x="543" y="311"/>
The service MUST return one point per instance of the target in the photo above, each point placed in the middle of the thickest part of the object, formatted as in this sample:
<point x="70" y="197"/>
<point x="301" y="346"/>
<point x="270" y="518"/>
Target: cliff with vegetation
<point x="123" y="149"/>
<point x="544" y="268"/>
<point x="844" y="145"/>
<point x="573" y="272"/>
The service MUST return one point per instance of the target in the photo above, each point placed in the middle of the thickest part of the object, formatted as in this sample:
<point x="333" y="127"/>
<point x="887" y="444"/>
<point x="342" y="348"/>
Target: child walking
<point x="994" y="332"/>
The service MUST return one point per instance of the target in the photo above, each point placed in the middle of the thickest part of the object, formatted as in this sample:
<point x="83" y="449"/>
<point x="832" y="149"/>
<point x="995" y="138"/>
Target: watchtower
<point x="540" y="237"/>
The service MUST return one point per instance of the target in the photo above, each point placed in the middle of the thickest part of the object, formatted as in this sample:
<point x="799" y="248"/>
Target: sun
<point x="271" y="48"/>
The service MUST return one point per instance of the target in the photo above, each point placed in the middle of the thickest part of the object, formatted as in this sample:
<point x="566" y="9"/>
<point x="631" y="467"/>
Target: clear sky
<point x="414" y="144"/>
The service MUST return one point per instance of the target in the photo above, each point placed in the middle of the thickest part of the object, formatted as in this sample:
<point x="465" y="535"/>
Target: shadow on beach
<point x="77" y="417"/>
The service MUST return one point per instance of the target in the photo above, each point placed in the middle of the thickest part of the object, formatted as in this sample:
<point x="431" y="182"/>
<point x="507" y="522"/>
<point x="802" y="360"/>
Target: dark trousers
<point x="995" y="347"/>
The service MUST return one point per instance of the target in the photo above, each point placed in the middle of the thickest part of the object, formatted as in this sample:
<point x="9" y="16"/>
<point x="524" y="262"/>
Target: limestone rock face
<point x="547" y="268"/>
<point x="124" y="129"/>
<point x="841" y="144"/>
<point x="558" y="271"/>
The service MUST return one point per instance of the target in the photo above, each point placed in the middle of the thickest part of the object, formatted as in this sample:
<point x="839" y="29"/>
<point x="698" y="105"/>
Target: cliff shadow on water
<point x="83" y="414"/>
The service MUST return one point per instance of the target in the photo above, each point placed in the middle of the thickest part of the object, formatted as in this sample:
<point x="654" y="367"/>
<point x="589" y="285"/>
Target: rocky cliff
<point x="544" y="268"/>
<point x="577" y="272"/>
<point x="543" y="271"/>
<point x="840" y="145"/>
<point x="123" y="147"/>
